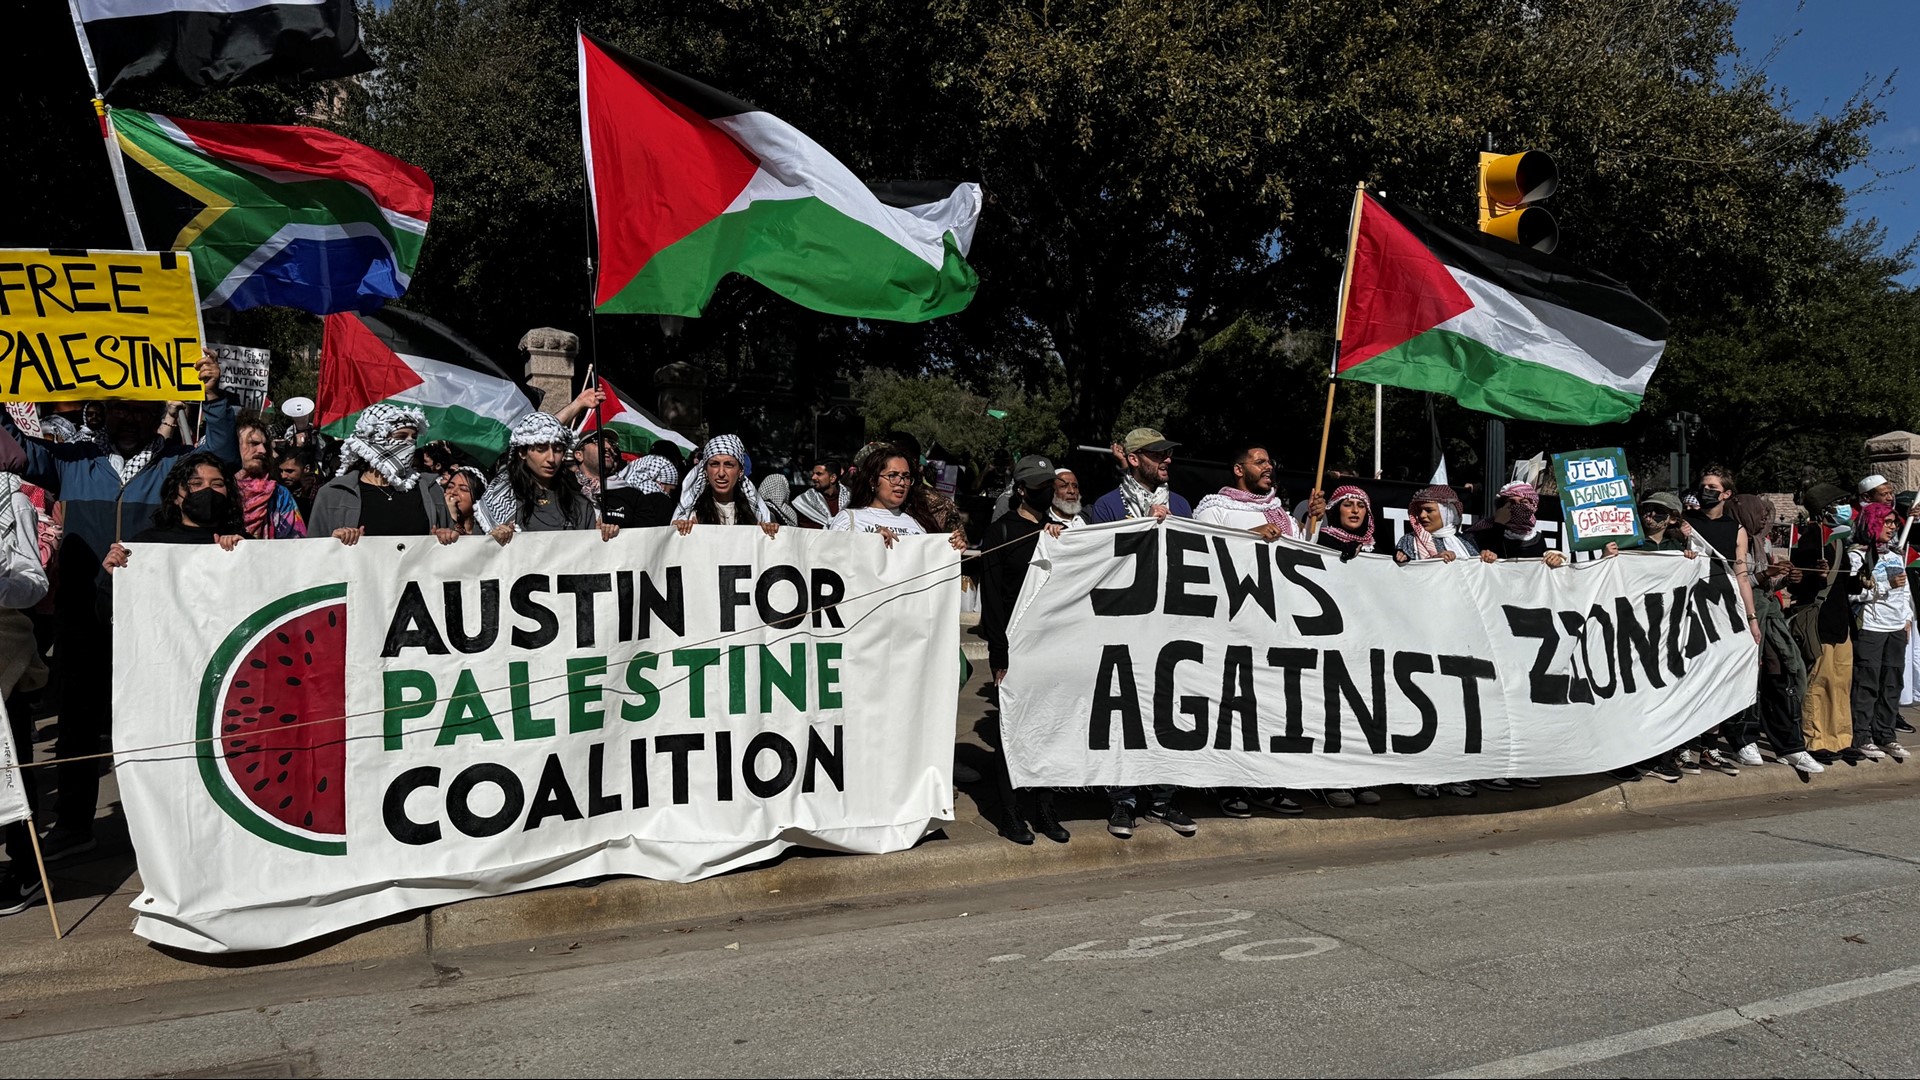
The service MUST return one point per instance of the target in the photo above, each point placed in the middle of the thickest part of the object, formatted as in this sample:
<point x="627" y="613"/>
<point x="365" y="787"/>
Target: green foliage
<point x="937" y="409"/>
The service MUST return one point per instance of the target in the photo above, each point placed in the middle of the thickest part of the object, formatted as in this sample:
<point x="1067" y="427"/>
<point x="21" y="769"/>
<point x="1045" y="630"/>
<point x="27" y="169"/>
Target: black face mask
<point x="1709" y="499"/>
<point x="1039" y="498"/>
<point x="208" y="507"/>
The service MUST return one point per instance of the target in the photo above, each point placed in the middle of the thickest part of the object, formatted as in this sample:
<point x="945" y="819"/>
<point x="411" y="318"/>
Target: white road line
<point x="1586" y="1053"/>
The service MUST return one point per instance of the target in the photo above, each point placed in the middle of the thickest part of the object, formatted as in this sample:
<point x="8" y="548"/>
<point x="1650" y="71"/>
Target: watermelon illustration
<point x="269" y="767"/>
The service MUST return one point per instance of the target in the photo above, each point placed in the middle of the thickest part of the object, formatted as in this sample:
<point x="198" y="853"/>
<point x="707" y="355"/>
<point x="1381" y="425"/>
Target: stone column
<point x="1896" y="456"/>
<point x="682" y="388"/>
<point x="550" y="354"/>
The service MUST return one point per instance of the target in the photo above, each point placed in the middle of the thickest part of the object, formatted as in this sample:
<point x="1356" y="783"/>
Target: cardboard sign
<point x="1596" y="498"/>
<point x="243" y="373"/>
<point x="98" y="324"/>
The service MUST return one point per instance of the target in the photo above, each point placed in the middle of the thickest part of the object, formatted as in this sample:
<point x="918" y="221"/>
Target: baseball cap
<point x="1145" y="438"/>
<point x="1665" y="500"/>
<point x="1033" y="470"/>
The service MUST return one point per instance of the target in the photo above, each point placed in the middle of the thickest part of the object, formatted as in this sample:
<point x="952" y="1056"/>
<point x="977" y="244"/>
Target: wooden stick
<point x="46" y="886"/>
<point x="1339" y="331"/>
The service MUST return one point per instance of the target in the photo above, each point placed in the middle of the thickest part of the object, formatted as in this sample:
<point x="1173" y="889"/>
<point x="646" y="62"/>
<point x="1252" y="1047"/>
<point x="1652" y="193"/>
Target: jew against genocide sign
<point x="1204" y="657"/>
<point x="399" y="724"/>
<point x="1596" y="498"/>
<point x="98" y="324"/>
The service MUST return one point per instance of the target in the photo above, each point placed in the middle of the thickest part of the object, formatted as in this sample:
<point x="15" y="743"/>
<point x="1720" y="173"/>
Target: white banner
<point x="13" y="780"/>
<point x="398" y="724"/>
<point x="1199" y="656"/>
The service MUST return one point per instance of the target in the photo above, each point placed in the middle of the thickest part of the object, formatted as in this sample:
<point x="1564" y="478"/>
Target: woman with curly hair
<point x="888" y="501"/>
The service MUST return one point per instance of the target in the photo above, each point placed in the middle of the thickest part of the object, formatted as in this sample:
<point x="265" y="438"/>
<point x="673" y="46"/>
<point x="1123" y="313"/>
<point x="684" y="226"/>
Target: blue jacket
<point x="80" y="475"/>
<point x="1113" y="507"/>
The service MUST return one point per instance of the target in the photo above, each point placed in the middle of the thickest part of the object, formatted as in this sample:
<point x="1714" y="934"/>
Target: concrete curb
<point x="971" y="855"/>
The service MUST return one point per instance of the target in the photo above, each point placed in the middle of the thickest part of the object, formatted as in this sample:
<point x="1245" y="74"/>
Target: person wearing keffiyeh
<point x="1349" y="527"/>
<point x="1513" y="532"/>
<point x="1434" y="515"/>
<point x="380" y="490"/>
<point x="539" y="492"/>
<point x="1251" y="503"/>
<point x="717" y="491"/>
<point x="825" y="495"/>
<point x="642" y="494"/>
<point x="1147" y="457"/>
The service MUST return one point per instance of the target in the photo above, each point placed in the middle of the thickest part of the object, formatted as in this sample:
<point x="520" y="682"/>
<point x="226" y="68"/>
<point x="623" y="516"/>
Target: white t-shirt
<point x="872" y="519"/>
<point x="1238" y="517"/>
<point x="1884" y="608"/>
<point x="724" y="511"/>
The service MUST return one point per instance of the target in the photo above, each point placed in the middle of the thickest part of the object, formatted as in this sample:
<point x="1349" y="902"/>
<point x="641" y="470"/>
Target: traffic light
<point x="1510" y="187"/>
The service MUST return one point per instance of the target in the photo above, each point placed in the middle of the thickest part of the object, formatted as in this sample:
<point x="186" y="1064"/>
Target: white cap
<point x="1871" y="482"/>
<point x="299" y="410"/>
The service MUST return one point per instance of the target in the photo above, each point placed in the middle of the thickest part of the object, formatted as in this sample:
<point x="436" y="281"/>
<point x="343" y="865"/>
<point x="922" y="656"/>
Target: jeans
<point x="1879" y="662"/>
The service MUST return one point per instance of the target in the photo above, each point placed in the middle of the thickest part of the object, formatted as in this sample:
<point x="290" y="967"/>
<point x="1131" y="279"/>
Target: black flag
<point x="141" y="43"/>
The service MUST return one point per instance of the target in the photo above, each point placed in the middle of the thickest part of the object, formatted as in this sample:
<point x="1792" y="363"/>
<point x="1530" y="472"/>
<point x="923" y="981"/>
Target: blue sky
<point x="1833" y="48"/>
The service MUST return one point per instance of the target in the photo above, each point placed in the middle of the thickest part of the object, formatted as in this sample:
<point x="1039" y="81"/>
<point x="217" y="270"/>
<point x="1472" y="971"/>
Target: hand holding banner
<point x="101" y="324"/>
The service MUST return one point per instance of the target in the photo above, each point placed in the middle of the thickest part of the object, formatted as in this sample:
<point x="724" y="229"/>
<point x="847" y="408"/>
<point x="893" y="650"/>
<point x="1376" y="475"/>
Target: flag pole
<point x="586" y="206"/>
<point x="1339" y="330"/>
<point x="114" y="161"/>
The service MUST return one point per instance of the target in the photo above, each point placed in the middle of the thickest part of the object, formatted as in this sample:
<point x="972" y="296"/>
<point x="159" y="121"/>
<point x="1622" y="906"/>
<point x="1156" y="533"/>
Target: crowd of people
<point x="85" y="486"/>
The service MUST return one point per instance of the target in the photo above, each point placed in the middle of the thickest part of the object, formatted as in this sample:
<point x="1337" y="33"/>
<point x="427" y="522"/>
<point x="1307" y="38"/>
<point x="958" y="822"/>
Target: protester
<point x="1513" y="532"/>
<point x="1665" y="530"/>
<point x="1349" y="527"/>
<point x="1434" y="515"/>
<point x="717" y="491"/>
<point x="1251" y="504"/>
<point x="107" y="485"/>
<point x="1066" y="510"/>
<point x="1147" y="457"/>
<point x="588" y="455"/>
<point x="945" y="513"/>
<point x="270" y="511"/>
<point x="773" y="491"/>
<point x="441" y="457"/>
<point x="1830" y="579"/>
<point x="465" y="486"/>
<point x="897" y="504"/>
<point x="23" y="583"/>
<point x="1716" y="525"/>
<point x="297" y="473"/>
<point x="1876" y="489"/>
<point x="1880" y="640"/>
<point x="825" y="495"/>
<point x="199" y="508"/>
<point x="1006" y="551"/>
<point x="642" y="494"/>
<point x="380" y="490"/>
<point x="539" y="493"/>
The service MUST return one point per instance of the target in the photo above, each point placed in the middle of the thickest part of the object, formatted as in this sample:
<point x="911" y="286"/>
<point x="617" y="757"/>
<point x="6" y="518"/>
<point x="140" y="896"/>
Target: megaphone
<point x="300" y="411"/>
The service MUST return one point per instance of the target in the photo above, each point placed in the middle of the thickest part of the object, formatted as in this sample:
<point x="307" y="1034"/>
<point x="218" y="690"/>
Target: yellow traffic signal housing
<point x="1510" y="186"/>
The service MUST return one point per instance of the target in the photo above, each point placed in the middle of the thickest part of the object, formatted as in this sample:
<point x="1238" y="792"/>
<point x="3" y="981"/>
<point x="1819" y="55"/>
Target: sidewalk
<point x="100" y="952"/>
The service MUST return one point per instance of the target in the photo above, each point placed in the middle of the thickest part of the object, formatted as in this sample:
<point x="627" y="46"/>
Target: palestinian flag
<point x="689" y="185"/>
<point x="1501" y="328"/>
<point x="636" y="428"/>
<point x="136" y="44"/>
<point x="296" y="216"/>
<point x="398" y="357"/>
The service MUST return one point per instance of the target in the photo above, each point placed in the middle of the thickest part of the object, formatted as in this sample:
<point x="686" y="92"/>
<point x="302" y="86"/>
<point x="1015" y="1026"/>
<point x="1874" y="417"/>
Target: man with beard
<point x="1007" y="549"/>
<point x="111" y="488"/>
<point x="1251" y="503"/>
<point x="269" y="510"/>
<point x="1065" y="510"/>
<point x="825" y="496"/>
<point x="1147" y="457"/>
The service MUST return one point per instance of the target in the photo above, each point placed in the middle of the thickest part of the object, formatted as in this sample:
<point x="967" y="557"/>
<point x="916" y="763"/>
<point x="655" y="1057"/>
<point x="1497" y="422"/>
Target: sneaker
<point x="1825" y="757"/>
<point x="1017" y="831"/>
<point x="1120" y="822"/>
<point x="1853" y="755"/>
<point x="1902" y="725"/>
<point x="59" y="844"/>
<point x="1665" y="770"/>
<point x="1714" y="759"/>
<point x="1894" y="750"/>
<point x="1367" y="796"/>
<point x="1050" y="827"/>
<point x="1495" y="784"/>
<point x="17" y="893"/>
<point x="1872" y="752"/>
<point x="1690" y="762"/>
<point x="1804" y="762"/>
<point x="1523" y="781"/>
<point x="1171" y="816"/>
<point x="1750" y="755"/>
<point x="1425" y="791"/>
<point x="1274" y="801"/>
<point x="1236" y="807"/>
<point x="1626" y="773"/>
<point x="1464" y="791"/>
<point x="1339" y="798"/>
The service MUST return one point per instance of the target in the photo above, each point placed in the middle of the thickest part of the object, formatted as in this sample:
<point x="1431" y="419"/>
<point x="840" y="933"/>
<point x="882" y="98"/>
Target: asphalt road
<point x="1725" y="941"/>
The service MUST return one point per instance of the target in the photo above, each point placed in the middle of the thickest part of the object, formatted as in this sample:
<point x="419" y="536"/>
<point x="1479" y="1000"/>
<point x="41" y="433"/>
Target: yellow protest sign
<point x="98" y="324"/>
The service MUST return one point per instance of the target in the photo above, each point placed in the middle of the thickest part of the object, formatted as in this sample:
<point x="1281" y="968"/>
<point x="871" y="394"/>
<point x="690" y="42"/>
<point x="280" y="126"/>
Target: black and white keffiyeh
<point x="1139" y="501"/>
<point x="9" y="517"/>
<point x="372" y="445"/>
<point x="696" y="481"/>
<point x="541" y="429"/>
<point x="812" y="505"/>
<point x="650" y="475"/>
<point x="130" y="467"/>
